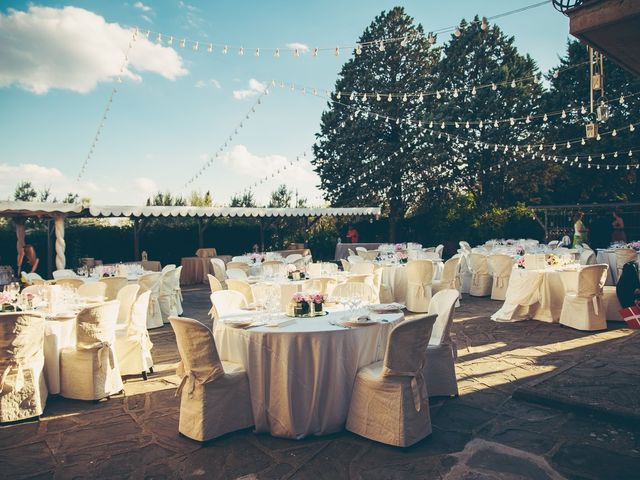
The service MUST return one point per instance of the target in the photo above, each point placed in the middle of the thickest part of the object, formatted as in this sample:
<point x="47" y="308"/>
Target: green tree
<point x="71" y="198"/>
<point x="196" y="199"/>
<point x="166" y="199"/>
<point x="569" y="91"/>
<point x="485" y="57"/>
<point x="25" y="192"/>
<point x="354" y="136"/>
<point x="246" y="200"/>
<point x="281" y="197"/>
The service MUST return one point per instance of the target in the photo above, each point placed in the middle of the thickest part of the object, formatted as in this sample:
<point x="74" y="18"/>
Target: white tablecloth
<point x="535" y="294"/>
<point x="58" y="334"/>
<point x="301" y="375"/>
<point x="608" y="256"/>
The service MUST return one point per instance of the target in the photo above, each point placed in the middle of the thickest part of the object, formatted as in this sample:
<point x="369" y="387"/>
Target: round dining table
<point x="301" y="373"/>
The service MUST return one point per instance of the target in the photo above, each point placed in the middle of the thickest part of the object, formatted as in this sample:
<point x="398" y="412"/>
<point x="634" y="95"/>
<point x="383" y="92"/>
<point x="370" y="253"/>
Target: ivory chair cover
<point x="624" y="255"/>
<point x="91" y="290"/>
<point x="361" y="268"/>
<point x="440" y="372"/>
<point x="611" y="304"/>
<point x="127" y="296"/>
<point x="587" y="257"/>
<point x="114" y="284"/>
<point x="439" y="250"/>
<point x="72" y="282"/>
<point x="355" y="259"/>
<point x="168" y="267"/>
<point x="523" y="294"/>
<point x="582" y="308"/>
<point x="361" y="290"/>
<point x="389" y="403"/>
<point x="236" y="274"/>
<point x="238" y="265"/>
<point x="361" y="278"/>
<point x="177" y="291"/>
<point x="369" y="255"/>
<point x="381" y="285"/>
<point x="314" y="269"/>
<point x="294" y="257"/>
<point x="34" y="279"/>
<point x="226" y="302"/>
<point x="501" y="267"/>
<point x="214" y="395"/>
<point x="360" y="250"/>
<point x="346" y="266"/>
<point x="133" y="346"/>
<point x="554" y="243"/>
<point x="586" y="247"/>
<point x="464" y="274"/>
<point x="240" y="258"/>
<point x="464" y="246"/>
<point x="450" y="278"/>
<point x="23" y="390"/>
<point x="64" y="273"/>
<point x="301" y="263"/>
<point x="481" y="280"/>
<point x="323" y="285"/>
<point x="272" y="268"/>
<point x="264" y="291"/>
<point x="219" y="269"/>
<point x="214" y="283"/>
<point x="35" y="289"/>
<point x="419" y="278"/>
<point x="90" y="371"/>
<point x="168" y="298"/>
<point x="151" y="282"/>
<point x="242" y="287"/>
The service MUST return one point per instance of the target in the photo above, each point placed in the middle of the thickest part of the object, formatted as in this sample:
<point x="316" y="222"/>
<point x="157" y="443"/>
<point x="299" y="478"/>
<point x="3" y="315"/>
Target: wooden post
<point x="49" y="248"/>
<point x="136" y="239"/>
<point x="61" y="260"/>
<point x="261" y="234"/>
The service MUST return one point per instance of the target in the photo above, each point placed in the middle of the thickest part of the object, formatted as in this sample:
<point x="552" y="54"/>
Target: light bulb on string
<point x="364" y="97"/>
<point x="614" y="133"/>
<point x="438" y="95"/>
<point x="339" y="95"/>
<point x="403" y="43"/>
<point x="598" y="137"/>
<point x="336" y="52"/>
<point x="512" y="121"/>
<point x="196" y="46"/>
<point x="494" y="87"/>
<point x="352" y="96"/>
<point x="583" y="110"/>
<point x="210" y="48"/>
<point x="621" y="99"/>
<point x="183" y="43"/>
<point x="473" y="90"/>
<point x="564" y="114"/>
<point x="421" y="99"/>
<point x="170" y="41"/>
<point x="315" y="52"/>
<point x="496" y="124"/>
<point x="358" y="49"/>
<point x="389" y="98"/>
<point x="431" y="38"/>
<point x="484" y="25"/>
<point x="225" y="49"/>
<point x="381" y="46"/>
<point x="404" y="97"/>
<point x="457" y="32"/>
<point x="556" y="73"/>
<point x="455" y="93"/>
<point x="568" y="144"/>
<point x="159" y="38"/>
<point x="480" y="124"/>
<point x="513" y="83"/>
<point x="615" y="154"/>
<point x="632" y="128"/>
<point x="582" y="141"/>
<point x="378" y="98"/>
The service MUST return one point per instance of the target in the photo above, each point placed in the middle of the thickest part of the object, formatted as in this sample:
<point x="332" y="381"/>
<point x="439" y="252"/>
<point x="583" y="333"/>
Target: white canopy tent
<point x="58" y="212"/>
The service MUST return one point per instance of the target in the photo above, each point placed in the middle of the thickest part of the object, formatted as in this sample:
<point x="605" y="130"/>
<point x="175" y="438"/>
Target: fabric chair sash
<point x="189" y="378"/>
<point x="422" y="287"/>
<point x="103" y="348"/>
<point x="418" y="385"/>
<point x="18" y="363"/>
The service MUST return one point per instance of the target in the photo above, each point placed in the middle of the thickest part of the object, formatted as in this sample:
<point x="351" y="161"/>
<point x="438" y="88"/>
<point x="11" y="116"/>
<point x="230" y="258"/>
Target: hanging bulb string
<point x="107" y="108"/>
<point x="228" y="140"/>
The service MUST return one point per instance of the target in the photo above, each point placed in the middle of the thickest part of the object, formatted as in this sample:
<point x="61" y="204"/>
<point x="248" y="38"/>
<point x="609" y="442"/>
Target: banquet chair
<point x="360" y="250"/>
<point x="324" y="285"/>
<point x="168" y="267"/>
<point x="464" y="274"/>
<point x="214" y="283"/>
<point x="23" y="391"/>
<point x="361" y="278"/>
<point x="219" y="269"/>
<point x="346" y="266"/>
<point x="439" y="250"/>
<point x="89" y="370"/>
<point x="389" y="402"/>
<point x="611" y="303"/>
<point x="360" y="290"/>
<point x="501" y="267"/>
<point x="369" y="255"/>
<point x="92" y="290"/>
<point x="33" y="278"/>
<point x="34" y="289"/>
<point x="301" y="264"/>
<point x="72" y="282"/>
<point x="133" y="346"/>
<point x="167" y="297"/>
<point x="566" y="241"/>
<point x="419" y="279"/>
<point x="151" y="282"/>
<point x="624" y="255"/>
<point x="355" y="259"/>
<point x="177" y="291"/>
<point x="481" y="281"/>
<point x="329" y="267"/>
<point x="114" y="284"/>
<point x="236" y="274"/>
<point x="238" y="265"/>
<point x="127" y="296"/>
<point x="464" y="246"/>
<point x="225" y="302"/>
<point x="449" y="277"/>
<point x="582" y="307"/>
<point x="587" y="257"/>
<point x="272" y="268"/>
<point x="64" y="273"/>
<point x="381" y="287"/>
<point x="315" y="269"/>
<point x="243" y="287"/>
<point x="293" y="258"/>
<point x="362" y="267"/>
<point x="586" y="247"/>
<point x="240" y="258"/>
<point x="553" y="243"/>
<point x="214" y="394"/>
<point x="440" y="372"/>
<point x="264" y="291"/>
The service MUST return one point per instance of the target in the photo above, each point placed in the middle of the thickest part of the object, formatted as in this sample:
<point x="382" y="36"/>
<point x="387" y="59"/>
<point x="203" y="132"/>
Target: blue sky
<point x="175" y="107"/>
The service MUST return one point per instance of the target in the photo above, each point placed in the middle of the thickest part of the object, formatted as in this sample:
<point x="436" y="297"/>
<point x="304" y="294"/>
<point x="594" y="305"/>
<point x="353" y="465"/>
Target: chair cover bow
<point x="418" y="385"/>
<point x="421" y="287"/>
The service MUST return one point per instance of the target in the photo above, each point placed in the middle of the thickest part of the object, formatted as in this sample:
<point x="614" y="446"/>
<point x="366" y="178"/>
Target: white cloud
<point x="146" y="19"/>
<point x="73" y="48"/>
<point x="143" y="7"/>
<point x="255" y="87"/>
<point x="204" y="83"/>
<point x="146" y="186"/>
<point x="42" y="177"/>
<point x="302" y="47"/>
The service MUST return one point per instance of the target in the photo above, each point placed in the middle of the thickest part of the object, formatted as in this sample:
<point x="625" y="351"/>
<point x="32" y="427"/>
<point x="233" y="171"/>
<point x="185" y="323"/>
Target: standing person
<point x="30" y="253"/>
<point x="618" y="234"/>
<point x="352" y="233"/>
<point x="580" y="232"/>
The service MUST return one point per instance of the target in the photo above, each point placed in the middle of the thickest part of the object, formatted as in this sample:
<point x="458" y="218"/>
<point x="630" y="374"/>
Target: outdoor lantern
<point x="596" y="81"/>
<point x="592" y="130"/>
<point x="602" y="111"/>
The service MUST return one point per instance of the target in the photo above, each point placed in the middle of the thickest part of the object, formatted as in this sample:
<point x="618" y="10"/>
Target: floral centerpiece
<point x="12" y="303"/>
<point x="256" y="258"/>
<point x="402" y="256"/>
<point x="635" y="245"/>
<point x="552" y="260"/>
<point x="308" y="304"/>
<point x="520" y="262"/>
<point x="520" y="249"/>
<point x="5" y="301"/>
<point x="400" y="247"/>
<point x="294" y="273"/>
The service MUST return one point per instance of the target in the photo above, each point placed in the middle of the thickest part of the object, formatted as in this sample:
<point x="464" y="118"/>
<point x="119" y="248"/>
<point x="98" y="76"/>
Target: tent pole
<point x="136" y="239"/>
<point x="261" y="234"/>
<point x="49" y="248"/>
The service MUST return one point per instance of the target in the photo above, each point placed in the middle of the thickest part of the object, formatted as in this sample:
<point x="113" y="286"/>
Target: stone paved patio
<point x="485" y="434"/>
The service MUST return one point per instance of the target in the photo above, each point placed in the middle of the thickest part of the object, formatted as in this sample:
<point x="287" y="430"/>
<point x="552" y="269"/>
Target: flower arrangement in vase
<point x="308" y="304"/>
<point x="402" y="256"/>
<point x="520" y="262"/>
<point x="294" y="273"/>
<point x="256" y="258"/>
<point x="552" y="260"/>
<point x="520" y="249"/>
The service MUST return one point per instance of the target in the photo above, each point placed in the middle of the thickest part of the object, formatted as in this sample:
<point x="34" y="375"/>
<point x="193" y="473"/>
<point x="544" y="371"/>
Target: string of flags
<point x="107" y="107"/>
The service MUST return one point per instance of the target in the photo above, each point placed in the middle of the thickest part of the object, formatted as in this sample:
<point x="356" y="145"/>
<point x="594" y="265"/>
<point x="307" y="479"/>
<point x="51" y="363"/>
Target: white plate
<point x="238" y="322"/>
<point x="386" y="307"/>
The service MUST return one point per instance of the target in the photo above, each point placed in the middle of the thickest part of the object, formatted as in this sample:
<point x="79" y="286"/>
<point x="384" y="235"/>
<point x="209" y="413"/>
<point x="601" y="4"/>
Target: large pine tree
<point x="360" y="155"/>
